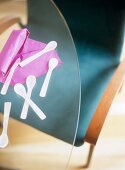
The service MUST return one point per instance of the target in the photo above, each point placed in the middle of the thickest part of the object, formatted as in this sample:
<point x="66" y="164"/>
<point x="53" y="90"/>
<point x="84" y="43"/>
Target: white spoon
<point x="9" y="77"/>
<point x="20" y="90"/>
<point x="30" y="82"/>
<point x="49" y="47"/>
<point x="4" y="137"/>
<point x="53" y="62"/>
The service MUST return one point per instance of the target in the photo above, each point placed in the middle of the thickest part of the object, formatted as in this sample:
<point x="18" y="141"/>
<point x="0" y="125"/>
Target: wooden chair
<point x="96" y="121"/>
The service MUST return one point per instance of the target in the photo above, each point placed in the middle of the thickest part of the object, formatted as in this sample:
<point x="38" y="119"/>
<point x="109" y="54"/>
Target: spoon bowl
<point x="53" y="63"/>
<point x="30" y="81"/>
<point x="4" y="140"/>
<point x="50" y="46"/>
<point x="20" y="89"/>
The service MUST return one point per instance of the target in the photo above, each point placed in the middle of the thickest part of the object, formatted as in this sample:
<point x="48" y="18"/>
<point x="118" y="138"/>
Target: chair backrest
<point x="95" y="22"/>
<point x="97" y="28"/>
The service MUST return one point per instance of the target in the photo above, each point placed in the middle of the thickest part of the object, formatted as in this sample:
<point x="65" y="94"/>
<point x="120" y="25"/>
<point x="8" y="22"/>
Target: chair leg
<point x="1" y="122"/>
<point x="1" y="125"/>
<point x="89" y="157"/>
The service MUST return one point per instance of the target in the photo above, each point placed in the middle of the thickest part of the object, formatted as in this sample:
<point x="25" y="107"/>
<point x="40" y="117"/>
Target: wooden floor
<point x="30" y="149"/>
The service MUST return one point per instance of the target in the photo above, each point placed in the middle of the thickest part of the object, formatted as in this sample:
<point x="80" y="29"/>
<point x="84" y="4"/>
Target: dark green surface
<point x="97" y="27"/>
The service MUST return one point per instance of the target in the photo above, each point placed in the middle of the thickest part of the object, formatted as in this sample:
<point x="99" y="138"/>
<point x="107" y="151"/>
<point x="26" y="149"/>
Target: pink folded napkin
<point x="20" y="46"/>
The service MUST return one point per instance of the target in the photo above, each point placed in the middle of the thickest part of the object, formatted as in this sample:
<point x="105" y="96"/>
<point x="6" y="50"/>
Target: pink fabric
<point x="19" y="45"/>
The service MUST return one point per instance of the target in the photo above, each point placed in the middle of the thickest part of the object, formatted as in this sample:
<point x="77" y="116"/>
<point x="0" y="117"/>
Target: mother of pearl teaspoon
<point x="53" y="62"/>
<point x="30" y="82"/>
<point x="49" y="47"/>
<point x="4" y="137"/>
<point x="20" y="90"/>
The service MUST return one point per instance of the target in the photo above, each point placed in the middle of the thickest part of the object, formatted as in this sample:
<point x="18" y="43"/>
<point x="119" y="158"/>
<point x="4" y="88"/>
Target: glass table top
<point x="55" y="135"/>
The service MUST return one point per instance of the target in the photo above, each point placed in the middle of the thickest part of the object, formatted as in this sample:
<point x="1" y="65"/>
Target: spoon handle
<point x="30" y="82"/>
<point x="32" y="58"/>
<point x="9" y="77"/>
<point x="46" y="83"/>
<point x="7" y="107"/>
<point x="35" y="108"/>
<point x="37" y="55"/>
<point x="25" y="106"/>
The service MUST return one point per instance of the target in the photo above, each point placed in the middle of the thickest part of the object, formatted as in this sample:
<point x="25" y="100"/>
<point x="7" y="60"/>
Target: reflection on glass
<point x="46" y="144"/>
